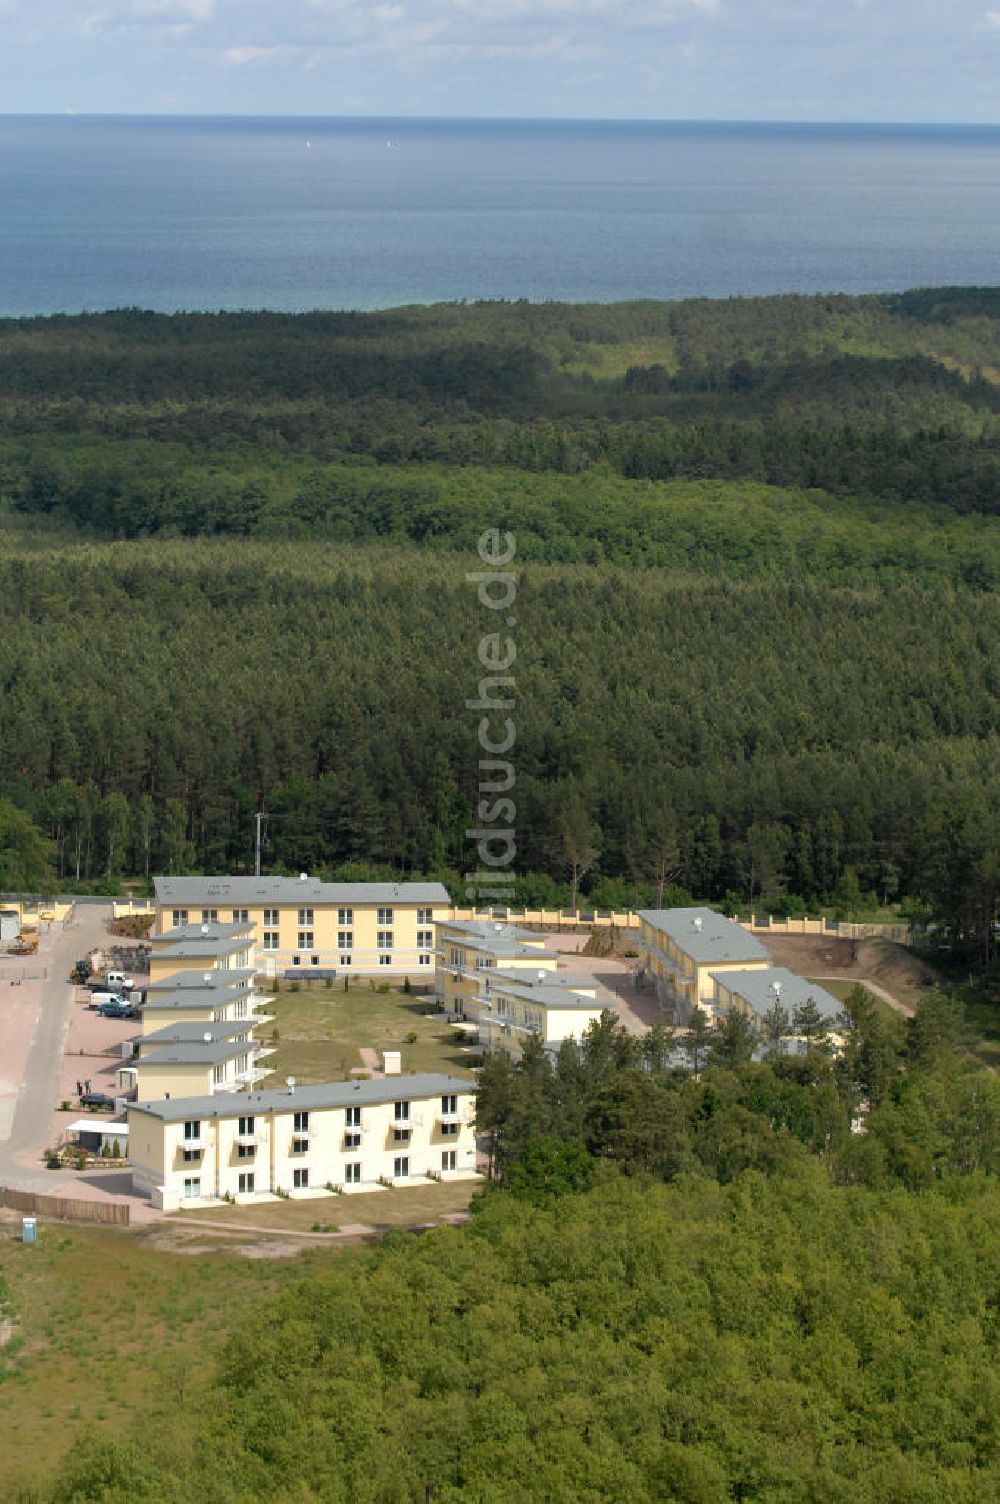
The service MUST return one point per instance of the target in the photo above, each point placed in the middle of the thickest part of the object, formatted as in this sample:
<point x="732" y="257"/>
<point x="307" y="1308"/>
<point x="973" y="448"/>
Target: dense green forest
<point x="688" y="1289"/>
<point x="758" y="546"/>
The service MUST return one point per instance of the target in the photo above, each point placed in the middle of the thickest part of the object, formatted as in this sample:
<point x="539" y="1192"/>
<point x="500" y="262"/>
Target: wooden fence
<point x="65" y="1208"/>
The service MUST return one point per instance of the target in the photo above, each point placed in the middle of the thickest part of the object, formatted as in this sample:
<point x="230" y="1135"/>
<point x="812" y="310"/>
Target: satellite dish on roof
<point x="206" y="976"/>
<point x="204" y="929"/>
<point x="698" y="923"/>
<point x="207" y="1037"/>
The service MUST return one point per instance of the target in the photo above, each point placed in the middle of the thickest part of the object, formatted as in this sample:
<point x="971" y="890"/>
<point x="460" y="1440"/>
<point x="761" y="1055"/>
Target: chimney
<point x="698" y="924"/>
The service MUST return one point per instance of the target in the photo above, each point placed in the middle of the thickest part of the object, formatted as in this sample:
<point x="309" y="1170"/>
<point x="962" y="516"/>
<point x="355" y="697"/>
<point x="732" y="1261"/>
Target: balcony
<point x="192" y="1146"/>
<point x="247" y="1140"/>
<point x="249" y="1077"/>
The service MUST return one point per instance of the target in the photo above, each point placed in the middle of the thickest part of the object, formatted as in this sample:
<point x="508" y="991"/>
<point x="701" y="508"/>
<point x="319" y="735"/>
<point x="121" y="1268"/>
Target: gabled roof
<point x="334" y="1094"/>
<point x="705" y="935"/>
<point x="756" y="988"/>
<point x="247" y="892"/>
<point x="237" y="979"/>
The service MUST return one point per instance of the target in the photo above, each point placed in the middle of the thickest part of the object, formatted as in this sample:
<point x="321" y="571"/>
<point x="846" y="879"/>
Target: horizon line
<point x="722" y="120"/>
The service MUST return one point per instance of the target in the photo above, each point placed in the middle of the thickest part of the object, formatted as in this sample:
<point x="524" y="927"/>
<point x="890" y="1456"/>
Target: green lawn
<point x="321" y="1032"/>
<point x="100" y="1317"/>
<point x="404" y="1206"/>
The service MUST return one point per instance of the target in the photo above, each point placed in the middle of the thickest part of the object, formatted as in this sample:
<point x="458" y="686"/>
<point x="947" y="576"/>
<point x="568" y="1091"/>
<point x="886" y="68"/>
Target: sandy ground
<point x="86" y="1057"/>
<point x="20" y="1002"/>
<point x="637" y="1007"/>
<point x="890" y="971"/>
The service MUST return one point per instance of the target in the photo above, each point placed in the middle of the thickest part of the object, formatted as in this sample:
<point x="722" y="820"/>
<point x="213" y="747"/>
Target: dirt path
<point x="876" y="989"/>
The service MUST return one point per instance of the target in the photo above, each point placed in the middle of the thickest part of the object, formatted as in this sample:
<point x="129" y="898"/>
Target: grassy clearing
<point x="323" y="1030"/>
<point x="101" y="1319"/>
<point x="404" y="1206"/>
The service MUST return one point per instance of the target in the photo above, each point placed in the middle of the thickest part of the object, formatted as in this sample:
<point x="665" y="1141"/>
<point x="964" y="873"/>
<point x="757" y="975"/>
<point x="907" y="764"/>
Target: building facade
<point x="302" y="925"/>
<point x="467" y="949"/>
<point x="681" y="948"/>
<point x="514" y="1005"/>
<point x="199" y="1013"/>
<point x="299" y="1141"/>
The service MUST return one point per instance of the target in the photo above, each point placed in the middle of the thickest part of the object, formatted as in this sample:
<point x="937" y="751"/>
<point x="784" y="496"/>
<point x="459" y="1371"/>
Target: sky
<point x="877" y="60"/>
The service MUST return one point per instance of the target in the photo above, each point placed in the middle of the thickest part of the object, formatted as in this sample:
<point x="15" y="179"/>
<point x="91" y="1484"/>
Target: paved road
<point x="20" y="1155"/>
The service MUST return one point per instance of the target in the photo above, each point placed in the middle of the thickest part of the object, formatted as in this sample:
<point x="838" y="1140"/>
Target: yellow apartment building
<point x="208" y="946"/>
<point x="195" y="996"/>
<point x="199" y="1013"/>
<point x="756" y="992"/>
<point x="513" y="1005"/>
<point x="467" y="948"/>
<point x="681" y="948"/>
<point x="303" y="926"/>
<point x="302" y="1140"/>
<point x="199" y="1057"/>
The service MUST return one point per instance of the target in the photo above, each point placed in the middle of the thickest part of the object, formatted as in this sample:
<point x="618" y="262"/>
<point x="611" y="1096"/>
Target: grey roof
<point x="196" y="1054"/>
<point x="245" y="892"/>
<point x="194" y="980"/>
<point x="495" y="945"/>
<point x="215" y="930"/>
<point x="540" y="979"/>
<point x="211" y="947"/>
<point x="193" y="1032"/>
<point x="716" y="938"/>
<point x="551" y="997"/>
<point x="486" y="929"/>
<point x="231" y="1104"/>
<point x="756" y="988"/>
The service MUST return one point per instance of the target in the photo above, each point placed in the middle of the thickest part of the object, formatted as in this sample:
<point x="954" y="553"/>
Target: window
<point x="300" y="1179"/>
<point x="192" y="1188"/>
<point x="352" y="1116"/>
<point x="295" y="960"/>
<point x="449" y="1130"/>
<point x="315" y="960"/>
<point x="219" y="1075"/>
<point x="401" y="1112"/>
<point x="344" y="960"/>
<point x="425" y="939"/>
<point x="300" y="1145"/>
<point x="384" y="960"/>
<point x="209" y="916"/>
<point x="385" y="916"/>
<point x="352" y="1139"/>
<point x="180" y="916"/>
<point x="345" y="916"/>
<point x="424" y="960"/>
<point x="192" y="1129"/>
<point x="245" y="1151"/>
<point x="400" y="1166"/>
<point x="270" y="939"/>
<point x="191" y="1156"/>
<point x="401" y="1135"/>
<point x="271" y="918"/>
<point x="352" y="1174"/>
<point x="241" y="916"/>
<point x="300" y="1122"/>
<point x="305" y="939"/>
<point x="449" y="1159"/>
<point x="385" y="939"/>
<point x="241" y="1009"/>
<point x="449" y="1104"/>
<point x="245" y="1127"/>
<point x="305" y="916"/>
<point x="345" y="939"/>
<point x="425" y="916"/>
<point x="454" y="957"/>
<point x="246" y="1182"/>
<point x="483" y="963"/>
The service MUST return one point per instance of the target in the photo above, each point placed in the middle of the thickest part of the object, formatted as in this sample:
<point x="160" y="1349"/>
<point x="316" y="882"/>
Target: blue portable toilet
<point x="29" y="1230"/>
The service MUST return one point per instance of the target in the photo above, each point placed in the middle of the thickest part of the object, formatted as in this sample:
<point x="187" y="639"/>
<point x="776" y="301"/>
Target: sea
<point x="211" y="213"/>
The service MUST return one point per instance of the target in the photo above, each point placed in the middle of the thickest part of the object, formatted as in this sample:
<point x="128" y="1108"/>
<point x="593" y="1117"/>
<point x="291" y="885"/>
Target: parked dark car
<point x="96" y="1099"/>
<point x="116" y="1009"/>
